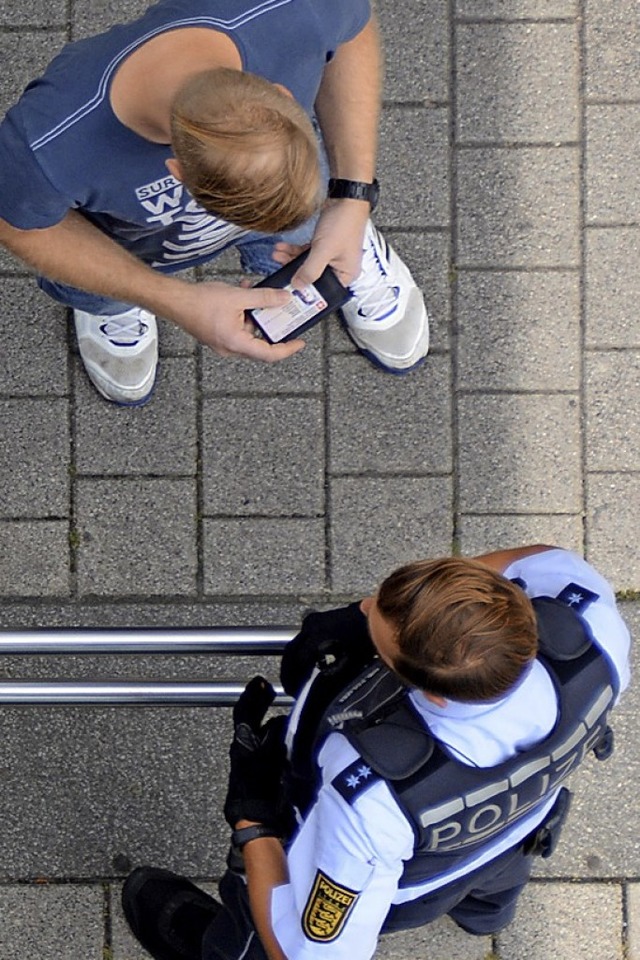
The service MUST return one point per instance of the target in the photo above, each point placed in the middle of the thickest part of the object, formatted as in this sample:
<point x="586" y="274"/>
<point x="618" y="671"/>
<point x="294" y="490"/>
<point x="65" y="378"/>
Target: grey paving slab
<point x="518" y="207"/>
<point x="34" y="467"/>
<point x="302" y="373"/>
<point x="52" y="922"/>
<point x="264" y="456"/>
<point x="377" y="524"/>
<point x="24" y="55"/>
<point x="113" y="784"/>
<point x="612" y="381"/>
<point x="265" y="557"/>
<point x="633" y="920"/>
<point x="417" y="59"/>
<point x="94" y="16"/>
<point x="517" y="81"/>
<point x="611" y="290"/>
<point x="172" y="341"/>
<point x="413" y="167"/>
<point x="157" y="438"/>
<point x="612" y="41"/>
<point x="440" y="940"/>
<point x="136" y="537"/>
<point x="175" y="613"/>
<point x="577" y="922"/>
<point x="518" y="331"/>
<point x="519" y="454"/>
<point x="34" y="558"/>
<point x="515" y="9"/>
<point x="478" y="534"/>
<point x="38" y="13"/>
<point x="33" y="341"/>
<point x="371" y="430"/>
<point x="612" y="174"/>
<point x="613" y="539"/>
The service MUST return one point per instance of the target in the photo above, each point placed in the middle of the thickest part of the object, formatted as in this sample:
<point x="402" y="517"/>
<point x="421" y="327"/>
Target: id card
<point x="281" y="322"/>
<point x="307" y="305"/>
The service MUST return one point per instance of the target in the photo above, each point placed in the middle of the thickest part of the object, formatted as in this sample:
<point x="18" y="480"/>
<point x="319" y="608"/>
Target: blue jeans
<point x="255" y="256"/>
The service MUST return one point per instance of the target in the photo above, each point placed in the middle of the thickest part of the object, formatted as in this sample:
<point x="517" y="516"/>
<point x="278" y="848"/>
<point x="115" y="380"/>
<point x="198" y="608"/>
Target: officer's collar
<point x="460" y="710"/>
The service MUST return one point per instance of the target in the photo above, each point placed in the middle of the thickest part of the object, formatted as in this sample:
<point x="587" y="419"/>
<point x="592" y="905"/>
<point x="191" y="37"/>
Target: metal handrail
<point x="243" y="640"/>
<point x="234" y="640"/>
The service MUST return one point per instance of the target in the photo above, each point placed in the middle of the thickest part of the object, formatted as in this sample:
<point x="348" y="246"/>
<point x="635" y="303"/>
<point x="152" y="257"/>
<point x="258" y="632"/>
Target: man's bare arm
<point x="76" y="253"/>
<point x="348" y="109"/>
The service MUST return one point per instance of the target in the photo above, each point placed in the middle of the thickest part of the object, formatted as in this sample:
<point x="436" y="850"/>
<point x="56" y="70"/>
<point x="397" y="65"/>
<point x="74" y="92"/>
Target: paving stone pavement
<point x="244" y="495"/>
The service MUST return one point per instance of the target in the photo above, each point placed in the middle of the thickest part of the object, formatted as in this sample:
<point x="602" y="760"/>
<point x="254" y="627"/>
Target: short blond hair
<point x="248" y="152"/>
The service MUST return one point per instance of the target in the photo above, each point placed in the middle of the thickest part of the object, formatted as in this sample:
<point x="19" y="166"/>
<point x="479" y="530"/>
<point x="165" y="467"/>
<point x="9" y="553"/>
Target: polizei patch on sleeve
<point x="327" y="909"/>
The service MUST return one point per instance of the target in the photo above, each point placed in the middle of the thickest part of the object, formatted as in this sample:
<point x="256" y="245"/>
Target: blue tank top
<point x="62" y="147"/>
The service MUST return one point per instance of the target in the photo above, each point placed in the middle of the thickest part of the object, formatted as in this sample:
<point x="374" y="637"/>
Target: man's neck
<point x="146" y="84"/>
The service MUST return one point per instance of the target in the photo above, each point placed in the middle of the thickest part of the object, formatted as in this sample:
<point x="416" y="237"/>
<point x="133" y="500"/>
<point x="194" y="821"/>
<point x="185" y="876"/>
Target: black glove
<point x="258" y="758"/>
<point x="337" y="641"/>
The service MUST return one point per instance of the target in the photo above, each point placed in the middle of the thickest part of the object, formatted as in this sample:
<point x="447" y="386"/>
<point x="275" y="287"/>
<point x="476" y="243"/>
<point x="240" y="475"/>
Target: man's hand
<point x="75" y="252"/>
<point x="337" y="242"/>
<point x="214" y="313"/>
<point x="258" y="757"/>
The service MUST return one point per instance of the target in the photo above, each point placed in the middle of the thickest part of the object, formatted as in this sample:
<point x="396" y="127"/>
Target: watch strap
<point x="240" y="838"/>
<point x="340" y="189"/>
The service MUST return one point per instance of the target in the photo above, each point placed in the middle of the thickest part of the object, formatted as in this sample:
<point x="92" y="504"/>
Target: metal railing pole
<point x="123" y="692"/>
<point x="241" y="640"/>
<point x="228" y="640"/>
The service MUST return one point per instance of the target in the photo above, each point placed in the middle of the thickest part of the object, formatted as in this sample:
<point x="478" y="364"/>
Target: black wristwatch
<point x="354" y="190"/>
<point x="239" y="838"/>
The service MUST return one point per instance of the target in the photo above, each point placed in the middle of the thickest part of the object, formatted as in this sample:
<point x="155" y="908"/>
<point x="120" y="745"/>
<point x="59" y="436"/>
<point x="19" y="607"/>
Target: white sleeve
<point x="565" y="575"/>
<point x="344" y="865"/>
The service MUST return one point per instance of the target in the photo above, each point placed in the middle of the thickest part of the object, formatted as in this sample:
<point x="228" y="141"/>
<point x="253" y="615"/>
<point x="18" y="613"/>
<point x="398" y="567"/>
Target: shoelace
<point x="124" y="327"/>
<point x="375" y="295"/>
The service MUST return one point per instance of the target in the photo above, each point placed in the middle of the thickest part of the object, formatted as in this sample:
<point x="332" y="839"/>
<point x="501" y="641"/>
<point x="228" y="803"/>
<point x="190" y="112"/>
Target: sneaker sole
<point x="374" y="358"/>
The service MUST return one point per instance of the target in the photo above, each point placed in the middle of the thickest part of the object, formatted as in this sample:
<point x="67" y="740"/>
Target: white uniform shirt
<point x="358" y="849"/>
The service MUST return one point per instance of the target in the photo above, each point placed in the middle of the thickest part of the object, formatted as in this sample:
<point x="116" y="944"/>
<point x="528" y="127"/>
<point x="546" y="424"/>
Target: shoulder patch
<point x="327" y="909"/>
<point x="519" y="582"/>
<point x="577" y="597"/>
<point x="354" y="780"/>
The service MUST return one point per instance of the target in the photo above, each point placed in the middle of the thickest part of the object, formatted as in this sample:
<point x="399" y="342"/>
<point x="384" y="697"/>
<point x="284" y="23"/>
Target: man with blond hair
<point x="425" y="759"/>
<point x="158" y="144"/>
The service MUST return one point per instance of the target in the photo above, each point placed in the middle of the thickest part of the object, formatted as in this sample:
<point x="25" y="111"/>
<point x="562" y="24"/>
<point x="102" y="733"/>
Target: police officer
<point x="434" y="725"/>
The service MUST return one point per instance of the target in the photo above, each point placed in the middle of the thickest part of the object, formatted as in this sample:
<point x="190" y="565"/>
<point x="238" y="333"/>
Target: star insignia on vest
<point x="327" y="909"/>
<point x="577" y="597"/>
<point x="354" y="780"/>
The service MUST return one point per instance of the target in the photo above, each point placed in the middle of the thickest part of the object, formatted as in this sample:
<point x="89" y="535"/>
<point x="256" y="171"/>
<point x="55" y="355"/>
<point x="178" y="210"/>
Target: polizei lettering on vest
<point x="480" y="814"/>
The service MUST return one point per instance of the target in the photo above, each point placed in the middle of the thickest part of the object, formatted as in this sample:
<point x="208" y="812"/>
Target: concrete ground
<point x="244" y="495"/>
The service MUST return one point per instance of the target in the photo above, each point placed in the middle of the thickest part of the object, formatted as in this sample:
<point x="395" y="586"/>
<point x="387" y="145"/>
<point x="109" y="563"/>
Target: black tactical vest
<point x="454" y="808"/>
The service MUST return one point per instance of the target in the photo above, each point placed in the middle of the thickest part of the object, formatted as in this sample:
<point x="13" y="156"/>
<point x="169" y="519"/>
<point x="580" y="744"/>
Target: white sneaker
<point x="120" y="353"/>
<point x="386" y="317"/>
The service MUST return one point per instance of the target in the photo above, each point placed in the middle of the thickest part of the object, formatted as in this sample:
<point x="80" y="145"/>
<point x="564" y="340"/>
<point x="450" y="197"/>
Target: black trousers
<point x="482" y="902"/>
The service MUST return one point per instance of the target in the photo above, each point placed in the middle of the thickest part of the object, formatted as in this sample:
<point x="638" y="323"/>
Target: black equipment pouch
<point x="544" y="839"/>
